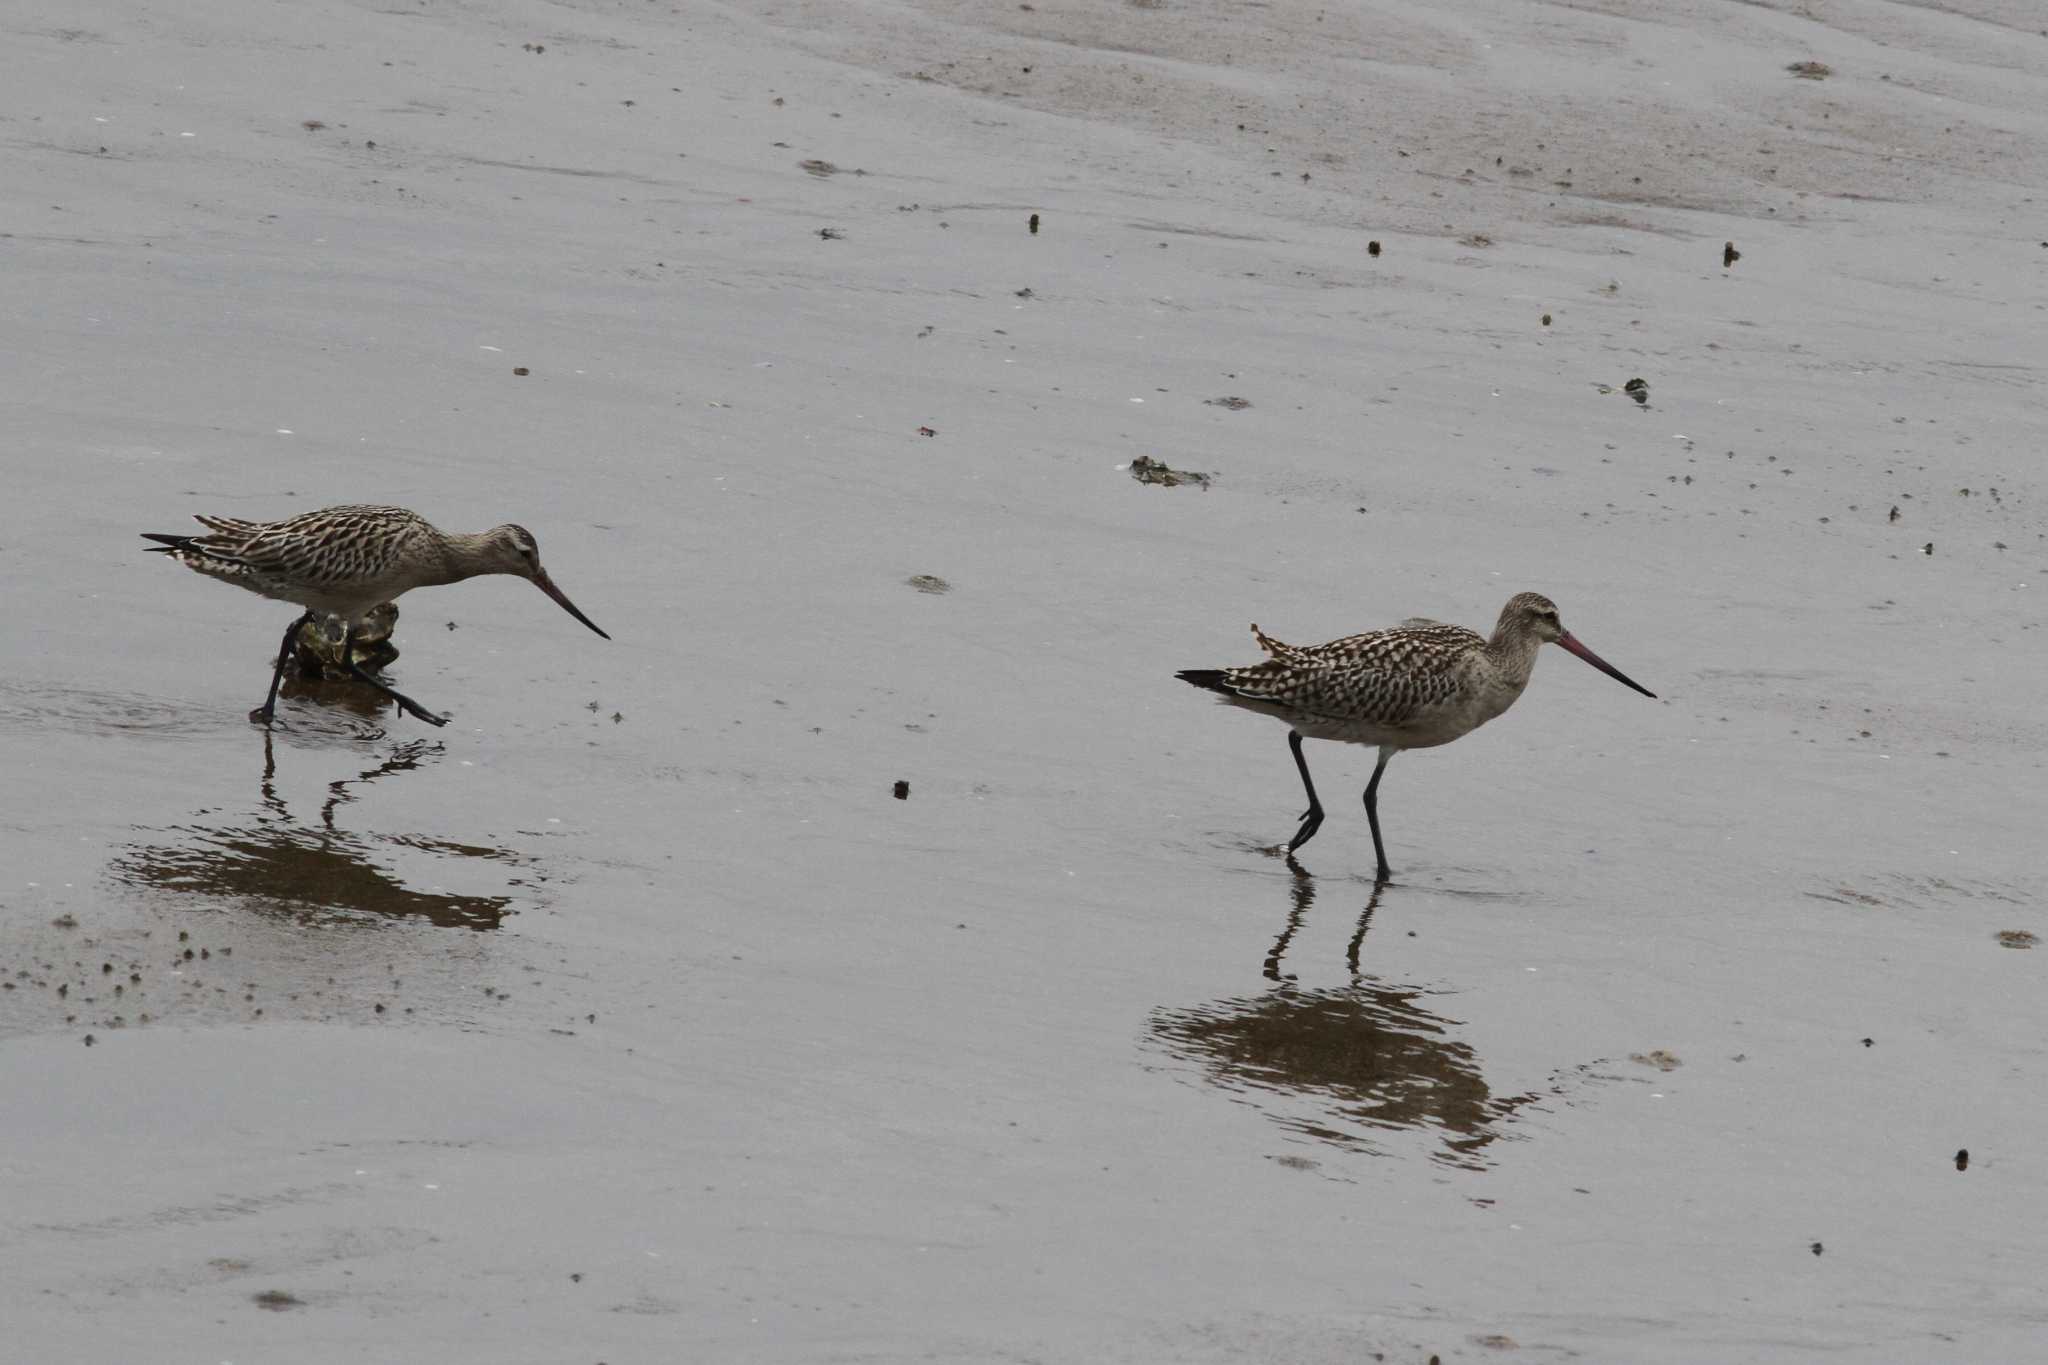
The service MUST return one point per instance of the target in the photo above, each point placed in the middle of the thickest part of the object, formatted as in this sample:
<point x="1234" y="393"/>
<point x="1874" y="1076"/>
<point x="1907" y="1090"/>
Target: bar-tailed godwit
<point x="340" y="562"/>
<point x="1418" y="685"/>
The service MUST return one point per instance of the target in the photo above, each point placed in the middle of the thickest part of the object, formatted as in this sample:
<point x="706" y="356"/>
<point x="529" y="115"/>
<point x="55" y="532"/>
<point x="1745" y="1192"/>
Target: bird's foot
<point x="418" y="712"/>
<point x="403" y="702"/>
<point x="1310" y="823"/>
<point x="262" y="715"/>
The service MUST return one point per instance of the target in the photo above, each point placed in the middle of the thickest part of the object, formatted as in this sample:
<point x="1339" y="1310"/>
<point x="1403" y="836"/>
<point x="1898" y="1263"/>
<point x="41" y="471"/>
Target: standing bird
<point x="340" y="562"/>
<point x="1418" y="685"/>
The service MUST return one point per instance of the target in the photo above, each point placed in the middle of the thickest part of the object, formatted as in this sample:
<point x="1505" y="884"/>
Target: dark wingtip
<point x="1211" y="678"/>
<point x="164" y="544"/>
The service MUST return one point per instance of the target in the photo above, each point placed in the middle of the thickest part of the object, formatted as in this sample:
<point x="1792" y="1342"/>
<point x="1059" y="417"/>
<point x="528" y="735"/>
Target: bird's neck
<point x="1512" y="651"/>
<point x="462" y="556"/>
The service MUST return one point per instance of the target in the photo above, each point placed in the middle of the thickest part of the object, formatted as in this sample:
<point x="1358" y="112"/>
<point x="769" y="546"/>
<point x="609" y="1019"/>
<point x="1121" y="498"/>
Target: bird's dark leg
<point x="405" y="703"/>
<point x="263" y="714"/>
<point x="1312" y="818"/>
<point x="1372" y="811"/>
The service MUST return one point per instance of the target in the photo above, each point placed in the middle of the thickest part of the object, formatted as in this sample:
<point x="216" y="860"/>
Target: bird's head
<point x="1531" y="613"/>
<point x="513" y="550"/>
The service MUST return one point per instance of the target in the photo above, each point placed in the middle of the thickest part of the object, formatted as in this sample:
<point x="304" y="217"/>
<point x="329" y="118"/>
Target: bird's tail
<point x="1211" y="678"/>
<point x="166" y="544"/>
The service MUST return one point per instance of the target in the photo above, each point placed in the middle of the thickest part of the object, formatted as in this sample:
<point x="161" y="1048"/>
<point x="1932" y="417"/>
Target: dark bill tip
<point x="547" y="585"/>
<point x="1572" y="644"/>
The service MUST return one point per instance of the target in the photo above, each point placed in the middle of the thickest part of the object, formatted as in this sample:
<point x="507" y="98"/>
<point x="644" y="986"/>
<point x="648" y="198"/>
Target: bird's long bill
<point x="547" y="585"/>
<point x="1571" y="643"/>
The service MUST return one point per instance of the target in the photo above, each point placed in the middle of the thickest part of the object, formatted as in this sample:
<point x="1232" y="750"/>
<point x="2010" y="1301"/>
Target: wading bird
<point x="1421" y="684"/>
<point x="339" y="562"/>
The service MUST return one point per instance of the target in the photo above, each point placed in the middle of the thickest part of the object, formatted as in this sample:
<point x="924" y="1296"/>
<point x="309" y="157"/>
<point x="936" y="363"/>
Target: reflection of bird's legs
<point x="1304" y="893"/>
<point x="404" y="758"/>
<point x="1372" y="903"/>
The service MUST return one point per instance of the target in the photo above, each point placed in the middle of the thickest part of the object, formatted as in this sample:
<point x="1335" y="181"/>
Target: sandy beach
<point x="633" y="1018"/>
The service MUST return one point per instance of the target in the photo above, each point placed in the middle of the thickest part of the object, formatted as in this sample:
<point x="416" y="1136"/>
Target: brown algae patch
<point x="1145" y="469"/>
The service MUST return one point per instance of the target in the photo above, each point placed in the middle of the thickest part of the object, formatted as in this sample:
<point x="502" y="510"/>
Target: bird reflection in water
<point x="1371" y="1056"/>
<point x="318" y="873"/>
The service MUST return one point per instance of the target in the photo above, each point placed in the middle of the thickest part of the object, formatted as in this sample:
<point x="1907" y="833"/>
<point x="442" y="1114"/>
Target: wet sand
<point x="633" y="1017"/>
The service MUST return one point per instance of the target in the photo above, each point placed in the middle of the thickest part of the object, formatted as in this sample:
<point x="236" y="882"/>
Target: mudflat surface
<point x="631" y="1018"/>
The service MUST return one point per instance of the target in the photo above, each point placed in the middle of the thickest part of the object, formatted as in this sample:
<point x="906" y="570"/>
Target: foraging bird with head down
<point x="1419" y="685"/>
<point x="340" y="562"/>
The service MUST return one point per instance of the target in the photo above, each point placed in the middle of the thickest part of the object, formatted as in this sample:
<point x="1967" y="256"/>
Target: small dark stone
<point x="521" y="371"/>
<point x="902" y="791"/>
<point x="1962" y="1158"/>
<point x="1034" y="217"/>
<point x="1729" y="255"/>
<point x="1816" y="1248"/>
<point x="1372" y="248"/>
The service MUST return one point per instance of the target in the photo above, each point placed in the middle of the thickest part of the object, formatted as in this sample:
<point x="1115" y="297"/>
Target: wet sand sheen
<point x="869" y="953"/>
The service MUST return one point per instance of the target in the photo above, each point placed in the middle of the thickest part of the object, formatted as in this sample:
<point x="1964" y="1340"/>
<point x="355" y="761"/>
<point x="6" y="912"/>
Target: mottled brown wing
<point x="335" y="546"/>
<point x="342" y="546"/>
<point x="1383" y="676"/>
